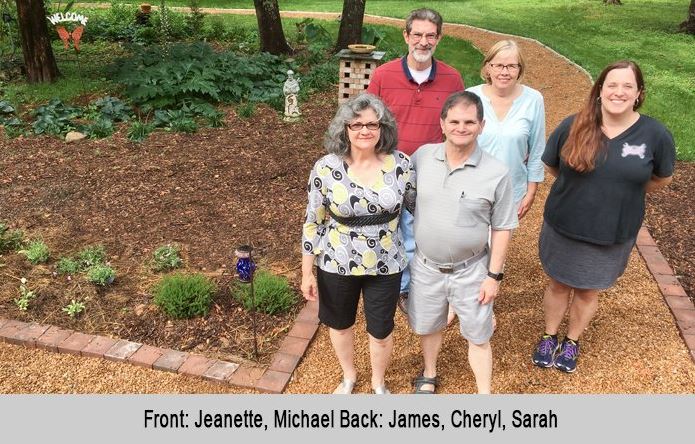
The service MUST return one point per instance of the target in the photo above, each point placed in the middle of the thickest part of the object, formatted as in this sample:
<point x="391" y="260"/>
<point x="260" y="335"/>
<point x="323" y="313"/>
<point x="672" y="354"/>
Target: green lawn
<point x="586" y="31"/>
<point x="83" y="76"/>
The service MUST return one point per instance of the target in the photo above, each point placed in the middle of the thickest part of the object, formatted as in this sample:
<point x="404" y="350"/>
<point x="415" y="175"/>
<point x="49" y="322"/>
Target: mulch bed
<point x="208" y="192"/>
<point x="671" y="221"/>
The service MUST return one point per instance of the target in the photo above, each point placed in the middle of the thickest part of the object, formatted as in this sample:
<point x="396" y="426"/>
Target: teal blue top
<point x="519" y="139"/>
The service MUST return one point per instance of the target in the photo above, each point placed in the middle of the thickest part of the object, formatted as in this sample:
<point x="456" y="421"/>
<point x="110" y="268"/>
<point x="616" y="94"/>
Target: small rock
<point x="74" y="136"/>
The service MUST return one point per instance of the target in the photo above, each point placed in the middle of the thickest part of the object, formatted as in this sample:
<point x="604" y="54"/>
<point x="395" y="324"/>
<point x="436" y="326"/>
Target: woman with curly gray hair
<point x="356" y="193"/>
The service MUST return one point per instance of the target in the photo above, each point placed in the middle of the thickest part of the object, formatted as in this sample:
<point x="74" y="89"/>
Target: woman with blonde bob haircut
<point x="514" y="120"/>
<point x="514" y="130"/>
<point x="605" y="158"/>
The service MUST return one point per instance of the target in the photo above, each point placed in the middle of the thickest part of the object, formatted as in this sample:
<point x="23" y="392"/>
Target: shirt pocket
<point x="473" y="212"/>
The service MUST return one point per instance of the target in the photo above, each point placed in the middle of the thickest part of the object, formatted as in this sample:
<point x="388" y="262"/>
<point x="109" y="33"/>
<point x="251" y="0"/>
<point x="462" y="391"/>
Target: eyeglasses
<point x="499" y="67"/>
<point x="417" y="36"/>
<point x="357" y="126"/>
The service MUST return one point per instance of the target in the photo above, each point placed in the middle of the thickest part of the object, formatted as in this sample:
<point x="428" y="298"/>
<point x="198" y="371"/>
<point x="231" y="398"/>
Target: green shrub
<point x="54" y="118"/>
<point x="91" y="256"/>
<point x="194" y="72"/>
<point x="99" y="129"/>
<point x="246" y="110"/>
<point x="139" y="131"/>
<point x="184" y="295"/>
<point x="114" y="24"/>
<point x="112" y="108"/>
<point x="217" y="29"/>
<point x="273" y="294"/>
<point x="36" y="252"/>
<point x="10" y="240"/>
<point x="166" y="257"/>
<point x="68" y="266"/>
<point x="8" y="115"/>
<point x="195" y="19"/>
<point x="101" y="275"/>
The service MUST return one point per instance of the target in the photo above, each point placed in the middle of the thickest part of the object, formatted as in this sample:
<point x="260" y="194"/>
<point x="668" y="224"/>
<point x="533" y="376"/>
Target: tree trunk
<point x="612" y="2"/>
<point x="270" y="27"/>
<point x="688" y="26"/>
<point x="350" y="24"/>
<point x="39" y="62"/>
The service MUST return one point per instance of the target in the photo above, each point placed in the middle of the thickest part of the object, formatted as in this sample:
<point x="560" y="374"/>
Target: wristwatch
<point x="495" y="276"/>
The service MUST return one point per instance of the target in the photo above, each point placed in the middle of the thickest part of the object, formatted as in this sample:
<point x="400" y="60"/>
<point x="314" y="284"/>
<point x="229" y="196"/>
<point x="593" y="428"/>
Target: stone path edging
<point x="675" y="296"/>
<point x="274" y="379"/>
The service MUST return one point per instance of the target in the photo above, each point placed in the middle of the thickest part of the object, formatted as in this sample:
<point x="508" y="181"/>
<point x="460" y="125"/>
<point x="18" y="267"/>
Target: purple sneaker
<point x="545" y="351"/>
<point x="566" y="359"/>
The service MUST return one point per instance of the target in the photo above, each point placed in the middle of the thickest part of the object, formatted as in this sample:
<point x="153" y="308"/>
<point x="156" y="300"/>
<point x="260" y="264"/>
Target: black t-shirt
<point x="606" y="205"/>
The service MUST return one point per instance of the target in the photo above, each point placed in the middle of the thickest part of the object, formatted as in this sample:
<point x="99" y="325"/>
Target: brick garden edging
<point x="677" y="300"/>
<point x="274" y="379"/>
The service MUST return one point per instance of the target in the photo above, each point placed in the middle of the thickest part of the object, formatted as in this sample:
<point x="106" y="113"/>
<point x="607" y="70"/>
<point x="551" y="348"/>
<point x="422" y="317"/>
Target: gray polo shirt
<point x="455" y="208"/>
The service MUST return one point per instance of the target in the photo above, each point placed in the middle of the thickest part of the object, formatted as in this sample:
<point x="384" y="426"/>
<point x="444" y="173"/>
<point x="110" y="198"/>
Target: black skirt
<point x="580" y="264"/>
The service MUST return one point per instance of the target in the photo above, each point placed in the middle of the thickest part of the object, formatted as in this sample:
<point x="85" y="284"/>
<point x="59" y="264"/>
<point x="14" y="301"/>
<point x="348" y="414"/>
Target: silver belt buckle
<point x="446" y="269"/>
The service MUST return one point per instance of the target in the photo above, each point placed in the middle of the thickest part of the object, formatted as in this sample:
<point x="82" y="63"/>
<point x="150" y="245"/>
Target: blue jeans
<point x="407" y="232"/>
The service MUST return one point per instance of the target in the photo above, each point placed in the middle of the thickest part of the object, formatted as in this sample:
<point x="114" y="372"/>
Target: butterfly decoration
<point x="66" y="36"/>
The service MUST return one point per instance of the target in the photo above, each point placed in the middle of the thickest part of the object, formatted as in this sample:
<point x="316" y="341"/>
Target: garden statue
<point x="291" y="91"/>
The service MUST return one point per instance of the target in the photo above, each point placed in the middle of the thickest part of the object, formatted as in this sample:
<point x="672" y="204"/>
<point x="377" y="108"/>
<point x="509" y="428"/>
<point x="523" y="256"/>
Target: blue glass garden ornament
<point x="244" y="265"/>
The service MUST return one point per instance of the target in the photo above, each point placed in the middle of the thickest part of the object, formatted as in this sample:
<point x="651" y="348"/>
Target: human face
<point x="364" y="139"/>
<point x="461" y="126"/>
<point x="422" y="40"/>
<point x="619" y="91"/>
<point x="504" y="69"/>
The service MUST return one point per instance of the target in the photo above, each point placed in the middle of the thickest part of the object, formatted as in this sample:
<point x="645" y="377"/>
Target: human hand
<point x="525" y="205"/>
<point x="488" y="290"/>
<point x="309" y="287"/>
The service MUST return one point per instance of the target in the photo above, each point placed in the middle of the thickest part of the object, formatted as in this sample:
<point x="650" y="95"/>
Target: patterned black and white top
<point x="356" y="251"/>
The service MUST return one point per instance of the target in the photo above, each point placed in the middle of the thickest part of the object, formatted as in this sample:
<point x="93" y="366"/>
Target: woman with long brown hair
<point x="604" y="159"/>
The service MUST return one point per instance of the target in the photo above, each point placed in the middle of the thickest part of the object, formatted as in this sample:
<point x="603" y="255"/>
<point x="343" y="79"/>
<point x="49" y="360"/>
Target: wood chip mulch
<point x="632" y="346"/>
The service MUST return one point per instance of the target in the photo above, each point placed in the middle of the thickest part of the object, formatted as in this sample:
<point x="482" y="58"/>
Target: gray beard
<point x="423" y="58"/>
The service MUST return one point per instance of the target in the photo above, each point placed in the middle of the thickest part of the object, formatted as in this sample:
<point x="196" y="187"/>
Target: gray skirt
<point x="580" y="264"/>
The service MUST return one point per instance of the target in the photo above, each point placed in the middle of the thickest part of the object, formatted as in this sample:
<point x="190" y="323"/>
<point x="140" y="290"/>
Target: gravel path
<point x="632" y="346"/>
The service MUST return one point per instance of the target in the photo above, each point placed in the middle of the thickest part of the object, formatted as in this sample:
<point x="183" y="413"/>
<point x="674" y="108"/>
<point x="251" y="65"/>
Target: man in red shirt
<point x="416" y="86"/>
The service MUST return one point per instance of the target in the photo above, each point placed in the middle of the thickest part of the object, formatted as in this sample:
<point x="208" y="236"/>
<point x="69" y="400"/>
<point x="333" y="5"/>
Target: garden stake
<point x="245" y="268"/>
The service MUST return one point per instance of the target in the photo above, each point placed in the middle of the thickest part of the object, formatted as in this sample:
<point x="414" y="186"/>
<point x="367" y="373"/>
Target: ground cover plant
<point x="271" y="294"/>
<point x="166" y="257"/>
<point x="36" y="252"/>
<point x="10" y="240"/>
<point x="184" y="295"/>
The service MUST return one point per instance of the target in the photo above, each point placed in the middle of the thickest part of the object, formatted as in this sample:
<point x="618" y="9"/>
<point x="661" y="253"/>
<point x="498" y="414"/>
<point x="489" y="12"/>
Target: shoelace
<point x="569" y="351"/>
<point x="547" y="345"/>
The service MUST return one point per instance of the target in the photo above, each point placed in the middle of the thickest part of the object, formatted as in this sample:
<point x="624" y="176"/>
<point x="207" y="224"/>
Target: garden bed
<point x="671" y="221"/>
<point x="208" y="192"/>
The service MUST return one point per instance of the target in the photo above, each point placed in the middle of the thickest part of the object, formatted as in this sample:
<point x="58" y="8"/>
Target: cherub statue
<point x="291" y="90"/>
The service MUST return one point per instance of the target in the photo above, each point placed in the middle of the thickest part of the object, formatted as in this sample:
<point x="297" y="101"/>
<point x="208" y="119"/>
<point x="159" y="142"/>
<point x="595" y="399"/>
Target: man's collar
<point x="473" y="159"/>
<point x="409" y="76"/>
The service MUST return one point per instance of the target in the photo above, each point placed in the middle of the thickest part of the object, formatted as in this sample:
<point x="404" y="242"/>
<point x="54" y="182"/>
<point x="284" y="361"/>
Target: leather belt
<point x="450" y="268"/>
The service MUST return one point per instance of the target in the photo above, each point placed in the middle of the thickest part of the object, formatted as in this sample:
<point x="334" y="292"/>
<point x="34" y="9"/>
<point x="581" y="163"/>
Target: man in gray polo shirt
<point x="462" y="193"/>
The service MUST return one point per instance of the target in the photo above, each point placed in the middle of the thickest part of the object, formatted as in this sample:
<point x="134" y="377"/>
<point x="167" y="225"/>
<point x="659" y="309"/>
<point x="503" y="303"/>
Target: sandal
<point x="382" y="390"/>
<point x="345" y="387"/>
<point x="424" y="380"/>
